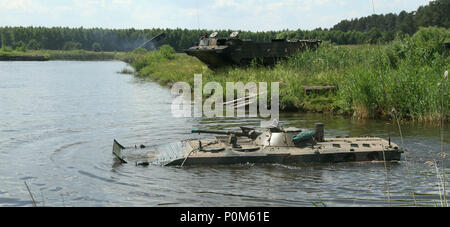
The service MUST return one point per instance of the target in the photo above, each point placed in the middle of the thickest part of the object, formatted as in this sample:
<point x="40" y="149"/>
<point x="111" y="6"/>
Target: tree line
<point x="371" y="29"/>
<point x="434" y="14"/>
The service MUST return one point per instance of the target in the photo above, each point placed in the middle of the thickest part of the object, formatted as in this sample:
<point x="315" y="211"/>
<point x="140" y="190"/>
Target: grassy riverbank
<point x="370" y="80"/>
<point x="79" y="55"/>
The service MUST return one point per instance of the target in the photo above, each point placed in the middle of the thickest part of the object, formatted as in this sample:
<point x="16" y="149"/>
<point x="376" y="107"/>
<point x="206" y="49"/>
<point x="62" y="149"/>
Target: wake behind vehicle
<point x="271" y="145"/>
<point x="219" y="52"/>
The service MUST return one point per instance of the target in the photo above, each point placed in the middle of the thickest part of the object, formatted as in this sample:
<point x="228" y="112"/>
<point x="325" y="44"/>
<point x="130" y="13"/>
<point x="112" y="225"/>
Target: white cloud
<point x="23" y="6"/>
<point x="392" y="5"/>
<point x="212" y="14"/>
<point x="227" y="3"/>
<point x="122" y="2"/>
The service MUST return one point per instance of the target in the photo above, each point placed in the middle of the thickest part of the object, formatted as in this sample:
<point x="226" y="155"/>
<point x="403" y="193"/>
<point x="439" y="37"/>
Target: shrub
<point x="140" y="51"/>
<point x="167" y="52"/>
<point x="33" y="45"/>
<point x="72" y="46"/>
<point x="96" y="47"/>
<point x="20" y="46"/>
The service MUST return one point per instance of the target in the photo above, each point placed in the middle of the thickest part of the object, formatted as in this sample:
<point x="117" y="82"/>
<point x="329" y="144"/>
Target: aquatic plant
<point x="127" y="71"/>
<point x="442" y="86"/>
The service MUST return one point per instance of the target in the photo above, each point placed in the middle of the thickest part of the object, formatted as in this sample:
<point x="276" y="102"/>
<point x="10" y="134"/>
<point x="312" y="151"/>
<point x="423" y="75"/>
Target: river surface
<point x="58" y="120"/>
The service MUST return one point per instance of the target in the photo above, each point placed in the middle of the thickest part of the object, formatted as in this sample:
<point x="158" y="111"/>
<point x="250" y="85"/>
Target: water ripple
<point x="61" y="122"/>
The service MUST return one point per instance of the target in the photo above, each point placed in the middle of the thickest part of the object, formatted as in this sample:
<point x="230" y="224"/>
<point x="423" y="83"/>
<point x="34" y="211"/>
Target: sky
<point x="252" y="15"/>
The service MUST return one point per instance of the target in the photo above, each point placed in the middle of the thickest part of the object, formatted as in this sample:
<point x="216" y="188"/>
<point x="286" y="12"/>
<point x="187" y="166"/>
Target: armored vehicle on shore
<point x="219" y="52"/>
<point x="272" y="145"/>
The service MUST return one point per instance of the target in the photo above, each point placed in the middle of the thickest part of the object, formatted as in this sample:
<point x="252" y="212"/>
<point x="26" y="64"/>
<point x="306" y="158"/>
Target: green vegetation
<point x="373" y="29"/>
<point x="371" y="80"/>
<point x="434" y="14"/>
<point x="9" y="52"/>
<point x="165" y="66"/>
<point x="96" y="47"/>
<point x="402" y="71"/>
<point x="33" y="45"/>
<point x="81" y="55"/>
<point x="72" y="46"/>
<point x="127" y="71"/>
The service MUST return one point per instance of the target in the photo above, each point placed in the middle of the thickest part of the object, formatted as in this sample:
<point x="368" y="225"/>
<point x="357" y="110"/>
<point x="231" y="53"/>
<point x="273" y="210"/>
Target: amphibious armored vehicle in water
<point x="271" y="145"/>
<point x="219" y="52"/>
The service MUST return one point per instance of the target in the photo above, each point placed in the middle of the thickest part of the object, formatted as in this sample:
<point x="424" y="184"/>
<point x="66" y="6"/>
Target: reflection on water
<point x="58" y="121"/>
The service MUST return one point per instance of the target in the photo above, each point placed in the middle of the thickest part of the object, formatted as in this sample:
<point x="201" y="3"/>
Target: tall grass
<point x="370" y="79"/>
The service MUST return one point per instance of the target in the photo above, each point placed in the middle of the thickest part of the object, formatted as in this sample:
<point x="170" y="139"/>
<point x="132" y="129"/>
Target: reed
<point x="33" y="202"/>
<point x="126" y="71"/>
<point x="387" y="179"/>
<point x="442" y="87"/>
<point x="370" y="80"/>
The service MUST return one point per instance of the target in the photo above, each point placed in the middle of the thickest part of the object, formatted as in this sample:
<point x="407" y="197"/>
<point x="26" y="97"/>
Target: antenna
<point x="198" y="17"/>
<point x="373" y="7"/>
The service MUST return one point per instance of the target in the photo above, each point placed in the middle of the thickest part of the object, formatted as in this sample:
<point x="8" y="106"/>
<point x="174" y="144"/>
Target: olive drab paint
<point x="220" y="52"/>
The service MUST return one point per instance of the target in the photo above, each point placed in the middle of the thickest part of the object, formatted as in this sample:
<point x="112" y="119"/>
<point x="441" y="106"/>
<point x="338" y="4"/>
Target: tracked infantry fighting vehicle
<point x="219" y="52"/>
<point x="272" y="145"/>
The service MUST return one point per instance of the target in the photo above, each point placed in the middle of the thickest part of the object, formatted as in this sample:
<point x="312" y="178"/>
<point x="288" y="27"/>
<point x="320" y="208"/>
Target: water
<point x="58" y="120"/>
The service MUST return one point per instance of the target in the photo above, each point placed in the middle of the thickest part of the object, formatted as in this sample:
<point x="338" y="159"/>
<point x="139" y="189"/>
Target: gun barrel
<point x="219" y="132"/>
<point x="210" y="131"/>
<point x="154" y="41"/>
